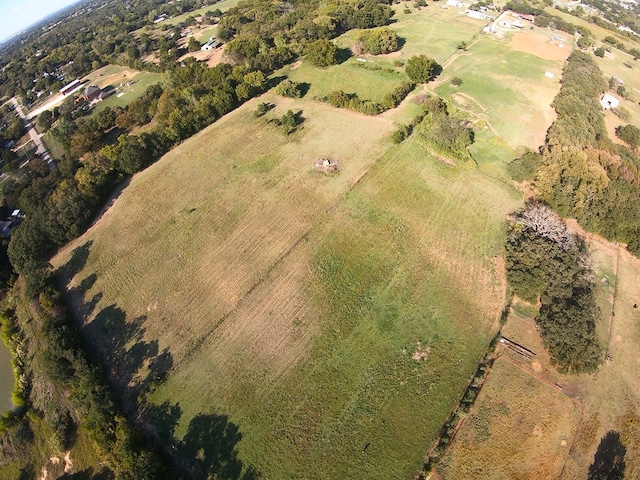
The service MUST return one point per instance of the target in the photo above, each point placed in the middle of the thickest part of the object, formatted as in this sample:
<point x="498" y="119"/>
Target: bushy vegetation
<point x="524" y="168"/>
<point x="322" y="53"/>
<point x="351" y="101"/>
<point x="421" y="69"/>
<point x="580" y="172"/>
<point x="289" y="88"/>
<point x="377" y="41"/>
<point x="629" y="134"/>
<point x="546" y="262"/>
<point x="446" y="134"/>
<point x="57" y="363"/>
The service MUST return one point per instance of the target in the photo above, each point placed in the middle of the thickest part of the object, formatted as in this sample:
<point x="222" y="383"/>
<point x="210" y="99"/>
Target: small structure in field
<point x="326" y="165"/>
<point x="608" y="101"/>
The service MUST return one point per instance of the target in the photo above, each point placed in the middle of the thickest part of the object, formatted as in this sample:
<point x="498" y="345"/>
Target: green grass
<point x="314" y="361"/>
<point x="509" y="88"/>
<point x="370" y="81"/>
<point x="206" y="34"/>
<point x="141" y="81"/>
<point x="434" y="31"/>
<point x="57" y="151"/>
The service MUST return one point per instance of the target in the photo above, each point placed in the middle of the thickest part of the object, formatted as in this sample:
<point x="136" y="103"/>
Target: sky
<point x="17" y="15"/>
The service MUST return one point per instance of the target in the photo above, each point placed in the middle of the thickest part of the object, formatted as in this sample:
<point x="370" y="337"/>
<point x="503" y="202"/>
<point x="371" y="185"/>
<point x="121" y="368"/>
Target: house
<point x="475" y="14"/>
<point x="93" y="92"/>
<point x="608" y="101"/>
<point x="527" y="17"/>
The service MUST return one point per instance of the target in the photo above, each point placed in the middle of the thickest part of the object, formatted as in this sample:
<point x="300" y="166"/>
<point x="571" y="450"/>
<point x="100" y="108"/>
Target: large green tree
<point x="322" y="53"/>
<point x="421" y="68"/>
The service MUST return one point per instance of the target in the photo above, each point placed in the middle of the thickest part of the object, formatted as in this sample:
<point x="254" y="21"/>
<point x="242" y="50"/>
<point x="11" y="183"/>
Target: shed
<point x="608" y="101"/>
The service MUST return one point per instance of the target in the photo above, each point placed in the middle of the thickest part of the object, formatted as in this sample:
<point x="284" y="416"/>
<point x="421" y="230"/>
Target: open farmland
<point x="127" y="83"/>
<point x="435" y="30"/>
<point x="507" y="86"/>
<point x="519" y="427"/>
<point x="560" y="419"/>
<point x="232" y="287"/>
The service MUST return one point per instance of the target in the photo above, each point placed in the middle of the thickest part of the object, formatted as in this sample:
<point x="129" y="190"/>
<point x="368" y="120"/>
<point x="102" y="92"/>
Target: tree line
<point x="579" y="172"/>
<point x="547" y="263"/>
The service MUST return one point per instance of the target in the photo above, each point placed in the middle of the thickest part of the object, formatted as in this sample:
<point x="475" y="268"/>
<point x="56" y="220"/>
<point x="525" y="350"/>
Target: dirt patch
<point x="115" y="79"/>
<point x="421" y="353"/>
<point x="540" y="46"/>
<point x="211" y="57"/>
<point x="611" y="121"/>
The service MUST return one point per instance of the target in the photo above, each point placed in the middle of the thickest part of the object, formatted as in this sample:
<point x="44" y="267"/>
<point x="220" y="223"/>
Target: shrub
<point x="421" y="68"/>
<point x="263" y="108"/>
<point x="378" y="41"/>
<point x="289" y="88"/>
<point x="599" y="52"/>
<point x="400" y="134"/>
<point x="457" y="81"/>
<point x="321" y="53"/>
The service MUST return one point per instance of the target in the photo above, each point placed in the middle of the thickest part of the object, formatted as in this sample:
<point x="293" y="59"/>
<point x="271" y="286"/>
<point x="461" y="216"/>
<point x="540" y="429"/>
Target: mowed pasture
<point x="291" y="301"/>
<point x="507" y="87"/>
<point x="370" y="81"/>
<point x="435" y="31"/>
<point x="127" y="83"/>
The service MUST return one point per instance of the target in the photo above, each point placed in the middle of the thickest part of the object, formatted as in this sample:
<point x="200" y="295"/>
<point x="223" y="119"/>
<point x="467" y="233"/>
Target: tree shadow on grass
<point x="211" y="442"/>
<point x="343" y="55"/>
<point x="136" y="366"/>
<point x="76" y="262"/>
<point x="608" y="463"/>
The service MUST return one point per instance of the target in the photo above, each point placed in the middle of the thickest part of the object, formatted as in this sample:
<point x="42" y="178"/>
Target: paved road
<point x="41" y="150"/>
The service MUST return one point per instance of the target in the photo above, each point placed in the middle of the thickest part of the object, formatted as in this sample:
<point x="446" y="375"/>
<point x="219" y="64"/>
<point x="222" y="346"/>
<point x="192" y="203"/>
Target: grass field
<point x="505" y="86"/>
<point x="434" y="31"/>
<point x="518" y="428"/>
<point x="118" y="77"/>
<point x="291" y="301"/>
<point x="246" y="304"/>
<point x="370" y="81"/>
<point x="556" y="433"/>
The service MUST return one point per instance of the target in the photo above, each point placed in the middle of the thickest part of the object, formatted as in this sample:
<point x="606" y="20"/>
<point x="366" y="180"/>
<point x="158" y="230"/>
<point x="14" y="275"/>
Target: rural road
<point x="40" y="148"/>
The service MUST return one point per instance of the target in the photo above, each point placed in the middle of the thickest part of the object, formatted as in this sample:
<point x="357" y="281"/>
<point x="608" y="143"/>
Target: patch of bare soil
<point x="540" y="46"/>
<point x="611" y="121"/>
<point x="211" y="57"/>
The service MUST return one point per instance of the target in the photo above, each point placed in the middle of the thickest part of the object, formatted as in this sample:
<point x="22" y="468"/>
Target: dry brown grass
<point x="518" y="428"/>
<point x="539" y="44"/>
<point x="608" y="399"/>
<point x="247" y="198"/>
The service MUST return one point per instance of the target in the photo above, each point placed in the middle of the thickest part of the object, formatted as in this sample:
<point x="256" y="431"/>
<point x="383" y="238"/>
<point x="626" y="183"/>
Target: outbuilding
<point x="608" y="101"/>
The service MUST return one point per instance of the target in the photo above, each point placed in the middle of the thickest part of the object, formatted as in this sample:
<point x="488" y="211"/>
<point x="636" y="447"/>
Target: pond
<point x="6" y="378"/>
